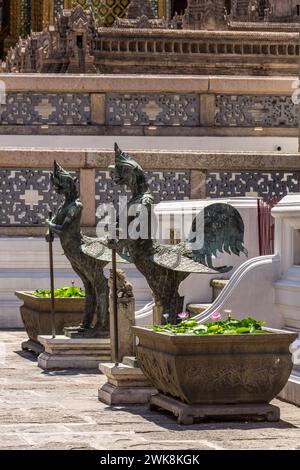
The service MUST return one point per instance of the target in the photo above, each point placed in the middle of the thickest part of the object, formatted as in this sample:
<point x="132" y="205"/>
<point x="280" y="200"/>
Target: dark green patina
<point x="165" y="267"/>
<point x="89" y="267"/>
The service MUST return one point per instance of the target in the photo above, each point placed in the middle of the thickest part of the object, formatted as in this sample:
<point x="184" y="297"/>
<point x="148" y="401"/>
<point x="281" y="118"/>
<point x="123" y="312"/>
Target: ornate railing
<point x="26" y="194"/>
<point x="151" y="105"/>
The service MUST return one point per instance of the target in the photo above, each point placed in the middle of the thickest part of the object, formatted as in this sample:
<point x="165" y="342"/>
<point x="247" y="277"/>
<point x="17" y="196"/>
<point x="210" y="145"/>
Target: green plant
<point x="61" y="292"/>
<point x="227" y="327"/>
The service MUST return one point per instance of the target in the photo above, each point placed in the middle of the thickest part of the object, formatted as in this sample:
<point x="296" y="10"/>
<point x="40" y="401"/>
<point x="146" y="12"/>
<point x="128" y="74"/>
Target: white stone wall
<point x="217" y="144"/>
<point x="196" y="288"/>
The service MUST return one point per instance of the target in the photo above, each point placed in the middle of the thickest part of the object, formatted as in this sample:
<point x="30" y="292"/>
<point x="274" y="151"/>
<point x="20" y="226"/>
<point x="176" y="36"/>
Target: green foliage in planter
<point x="61" y="292"/>
<point x="228" y="327"/>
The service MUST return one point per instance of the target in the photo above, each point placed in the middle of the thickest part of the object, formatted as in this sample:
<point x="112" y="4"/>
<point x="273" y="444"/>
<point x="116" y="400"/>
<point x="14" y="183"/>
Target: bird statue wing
<point x="95" y="248"/>
<point x="171" y="257"/>
<point x="219" y="228"/>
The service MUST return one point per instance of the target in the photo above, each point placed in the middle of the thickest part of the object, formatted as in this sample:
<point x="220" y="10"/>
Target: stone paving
<point x="60" y="410"/>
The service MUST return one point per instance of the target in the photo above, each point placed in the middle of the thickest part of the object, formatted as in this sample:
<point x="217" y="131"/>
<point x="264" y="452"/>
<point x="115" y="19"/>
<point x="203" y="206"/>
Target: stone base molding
<point x="188" y="414"/>
<point x="65" y="353"/>
<point x="125" y="385"/>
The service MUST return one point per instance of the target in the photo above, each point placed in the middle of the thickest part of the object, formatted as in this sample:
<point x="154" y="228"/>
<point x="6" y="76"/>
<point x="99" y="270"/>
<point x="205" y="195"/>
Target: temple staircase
<point x="217" y="286"/>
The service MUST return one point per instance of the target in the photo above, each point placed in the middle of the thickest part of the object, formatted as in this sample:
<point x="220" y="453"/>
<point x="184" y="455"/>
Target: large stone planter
<point x="36" y="316"/>
<point x="216" y="370"/>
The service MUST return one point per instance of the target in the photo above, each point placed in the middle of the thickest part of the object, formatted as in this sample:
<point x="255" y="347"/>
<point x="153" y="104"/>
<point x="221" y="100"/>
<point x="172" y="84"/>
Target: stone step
<point x="291" y="392"/>
<point x="217" y="286"/>
<point x="196" y="309"/>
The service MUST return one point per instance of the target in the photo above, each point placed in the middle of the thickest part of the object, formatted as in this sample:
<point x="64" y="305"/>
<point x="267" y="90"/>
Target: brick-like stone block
<point x="98" y="108"/>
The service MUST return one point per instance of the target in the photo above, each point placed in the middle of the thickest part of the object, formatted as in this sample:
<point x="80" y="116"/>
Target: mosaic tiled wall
<point x="159" y="109"/>
<point x="26" y="197"/>
<point x="168" y="109"/>
<point x="154" y="4"/>
<point x="166" y="185"/>
<point x="109" y="10"/>
<point x="105" y="10"/>
<point x="58" y="6"/>
<point x="252" y="111"/>
<point x="46" y="108"/>
<point x="263" y="184"/>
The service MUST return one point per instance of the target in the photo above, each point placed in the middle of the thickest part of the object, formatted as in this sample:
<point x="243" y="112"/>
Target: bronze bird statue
<point x="165" y="267"/>
<point x="88" y="265"/>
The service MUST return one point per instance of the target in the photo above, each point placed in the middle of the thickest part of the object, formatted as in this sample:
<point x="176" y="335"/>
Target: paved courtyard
<point x="60" y="410"/>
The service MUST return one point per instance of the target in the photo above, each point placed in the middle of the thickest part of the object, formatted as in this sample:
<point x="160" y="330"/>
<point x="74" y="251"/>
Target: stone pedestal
<point x="126" y="316"/>
<point x="125" y="385"/>
<point x="65" y="353"/>
<point x="188" y="414"/>
<point x="32" y="346"/>
<point x="291" y="392"/>
<point x="126" y="319"/>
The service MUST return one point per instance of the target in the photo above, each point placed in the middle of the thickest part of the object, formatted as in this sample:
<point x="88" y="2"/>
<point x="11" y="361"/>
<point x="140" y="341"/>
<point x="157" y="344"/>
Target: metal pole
<point x="51" y="239"/>
<point x="115" y="307"/>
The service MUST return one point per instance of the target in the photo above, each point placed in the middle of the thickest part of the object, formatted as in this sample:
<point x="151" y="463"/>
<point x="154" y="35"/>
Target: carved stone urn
<point x="36" y="316"/>
<point x="216" y="369"/>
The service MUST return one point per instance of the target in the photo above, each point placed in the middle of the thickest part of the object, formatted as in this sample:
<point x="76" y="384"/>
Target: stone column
<point x="126" y="383"/>
<point x="98" y="109"/>
<point x="207" y="110"/>
<point x="87" y="195"/>
<point x="198" y="184"/>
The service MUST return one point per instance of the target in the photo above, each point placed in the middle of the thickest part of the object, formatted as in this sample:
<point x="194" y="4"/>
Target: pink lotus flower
<point x="183" y="316"/>
<point x="216" y="316"/>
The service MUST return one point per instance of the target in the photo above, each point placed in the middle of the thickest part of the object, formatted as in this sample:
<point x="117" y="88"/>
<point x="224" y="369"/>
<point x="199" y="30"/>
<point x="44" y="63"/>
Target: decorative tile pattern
<point x="267" y="184"/>
<point x="26" y="17"/>
<point x="253" y="111"/>
<point x="105" y="11"/>
<point x="154" y="4"/>
<point x="46" y="108"/>
<point x="58" y="6"/>
<point x="26" y="197"/>
<point x="168" y="109"/>
<point x="166" y="185"/>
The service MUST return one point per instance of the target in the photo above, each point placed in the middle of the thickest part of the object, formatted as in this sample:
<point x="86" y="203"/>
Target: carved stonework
<point x="255" y="111"/>
<point x="142" y="22"/>
<point x="210" y="370"/>
<point x="138" y="8"/>
<point x="168" y="109"/>
<point x="26" y="197"/>
<point x="124" y="287"/>
<point x="105" y="11"/>
<point x="165" y="185"/>
<point x="205" y="14"/>
<point x="55" y="109"/>
<point x="256" y="11"/>
<point x="273" y="184"/>
<point x="77" y="45"/>
<point x="65" y="48"/>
